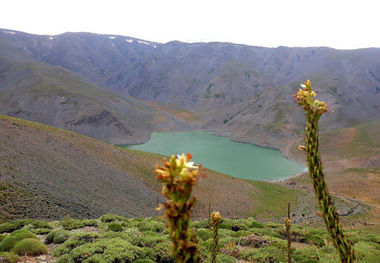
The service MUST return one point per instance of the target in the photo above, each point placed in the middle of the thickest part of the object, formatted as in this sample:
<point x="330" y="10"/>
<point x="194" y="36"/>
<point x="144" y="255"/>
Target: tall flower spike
<point x="178" y="176"/>
<point x="314" y="109"/>
<point x="215" y="221"/>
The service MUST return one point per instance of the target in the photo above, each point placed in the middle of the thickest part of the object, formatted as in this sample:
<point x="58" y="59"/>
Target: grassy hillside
<point x="352" y="160"/>
<point x="64" y="173"/>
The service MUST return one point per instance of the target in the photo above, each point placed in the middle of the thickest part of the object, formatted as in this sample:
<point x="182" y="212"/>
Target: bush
<point x="267" y="254"/>
<point x="8" y="257"/>
<point x="30" y="247"/>
<point x="200" y="224"/>
<point x="222" y="258"/>
<point x="110" y="218"/>
<point x="203" y="234"/>
<point x="70" y="223"/>
<point x="2" y="237"/>
<point x="10" y="241"/>
<point x="115" y="227"/>
<point x="164" y="252"/>
<point x="306" y="254"/>
<point x="35" y="224"/>
<point x="90" y="222"/>
<point x="150" y="224"/>
<point x="75" y="241"/>
<point x="143" y="261"/>
<point x="41" y="231"/>
<point x="107" y="251"/>
<point x="11" y="226"/>
<point x="234" y="224"/>
<point x="255" y="224"/>
<point x="57" y="237"/>
<point x="18" y="224"/>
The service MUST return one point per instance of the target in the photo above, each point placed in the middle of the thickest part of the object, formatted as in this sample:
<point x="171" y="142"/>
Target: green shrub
<point x="222" y="258"/>
<point x="23" y="232"/>
<point x="57" y="237"/>
<point x="267" y="254"/>
<point x="367" y="251"/>
<point x="110" y="218"/>
<point x="151" y="240"/>
<point x="143" y="261"/>
<point x="66" y="258"/>
<point x="371" y="238"/>
<point x="115" y="227"/>
<point x="30" y="247"/>
<point x="234" y="224"/>
<point x="107" y="251"/>
<point x="11" y="226"/>
<point x="27" y="223"/>
<point x="41" y="231"/>
<point x="35" y="224"/>
<point x="306" y="254"/>
<point x="200" y="224"/>
<point x="203" y="234"/>
<point x="70" y="223"/>
<point x="90" y="222"/>
<point x="8" y="257"/>
<point x="75" y="241"/>
<point x="10" y="241"/>
<point x="164" y="252"/>
<point x="2" y="237"/>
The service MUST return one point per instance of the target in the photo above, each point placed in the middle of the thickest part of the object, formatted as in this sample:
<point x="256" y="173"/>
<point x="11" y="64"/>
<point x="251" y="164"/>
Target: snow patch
<point x="51" y="38"/>
<point x="129" y="40"/>
<point x="111" y="37"/>
<point x="154" y="46"/>
<point x="9" y="32"/>
<point x="143" y="42"/>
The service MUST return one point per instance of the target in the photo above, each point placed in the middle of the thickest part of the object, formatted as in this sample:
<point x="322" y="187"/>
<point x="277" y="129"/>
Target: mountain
<point x="240" y="91"/>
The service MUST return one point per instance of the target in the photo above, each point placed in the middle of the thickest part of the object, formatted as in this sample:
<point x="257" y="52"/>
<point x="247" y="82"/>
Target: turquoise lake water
<point x="240" y="160"/>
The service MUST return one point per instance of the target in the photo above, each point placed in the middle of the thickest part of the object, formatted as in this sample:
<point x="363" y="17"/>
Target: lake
<point x="240" y="160"/>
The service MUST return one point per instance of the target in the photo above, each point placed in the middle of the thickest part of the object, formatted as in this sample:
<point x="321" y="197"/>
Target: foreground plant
<point x="288" y="224"/>
<point x="314" y="109"/>
<point x="179" y="176"/>
<point x="215" y="218"/>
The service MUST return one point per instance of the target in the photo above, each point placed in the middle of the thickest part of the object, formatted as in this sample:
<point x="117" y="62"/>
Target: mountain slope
<point x="47" y="172"/>
<point x="240" y="91"/>
<point x="51" y="95"/>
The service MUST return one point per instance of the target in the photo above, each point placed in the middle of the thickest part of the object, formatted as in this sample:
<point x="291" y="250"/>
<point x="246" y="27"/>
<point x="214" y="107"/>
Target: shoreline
<point x="284" y="152"/>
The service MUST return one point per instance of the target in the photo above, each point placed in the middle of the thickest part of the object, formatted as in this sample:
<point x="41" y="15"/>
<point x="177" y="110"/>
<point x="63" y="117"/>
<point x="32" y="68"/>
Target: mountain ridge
<point x="231" y="87"/>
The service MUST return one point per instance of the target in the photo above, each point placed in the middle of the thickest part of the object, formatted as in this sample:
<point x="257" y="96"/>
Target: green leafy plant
<point x="70" y="223"/>
<point x="57" y="237"/>
<point x="10" y="241"/>
<point x="30" y="247"/>
<point x="314" y="109"/>
<point x="115" y="227"/>
<point x="179" y="176"/>
<point x="8" y="257"/>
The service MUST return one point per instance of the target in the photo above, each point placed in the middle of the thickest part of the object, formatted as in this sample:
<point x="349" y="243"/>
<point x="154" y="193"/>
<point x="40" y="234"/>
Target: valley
<point x="119" y="90"/>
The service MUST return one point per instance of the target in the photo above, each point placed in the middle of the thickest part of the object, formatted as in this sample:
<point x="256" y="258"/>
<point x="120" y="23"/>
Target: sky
<point x="342" y="24"/>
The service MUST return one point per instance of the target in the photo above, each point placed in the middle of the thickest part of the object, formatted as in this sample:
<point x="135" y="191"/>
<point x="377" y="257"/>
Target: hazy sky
<point x="334" y="23"/>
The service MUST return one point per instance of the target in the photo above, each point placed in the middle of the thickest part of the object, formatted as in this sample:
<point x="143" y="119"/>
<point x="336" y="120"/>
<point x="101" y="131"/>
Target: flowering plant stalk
<point x="215" y="218"/>
<point x="178" y="176"/>
<point x="314" y="109"/>
<point x="288" y="224"/>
